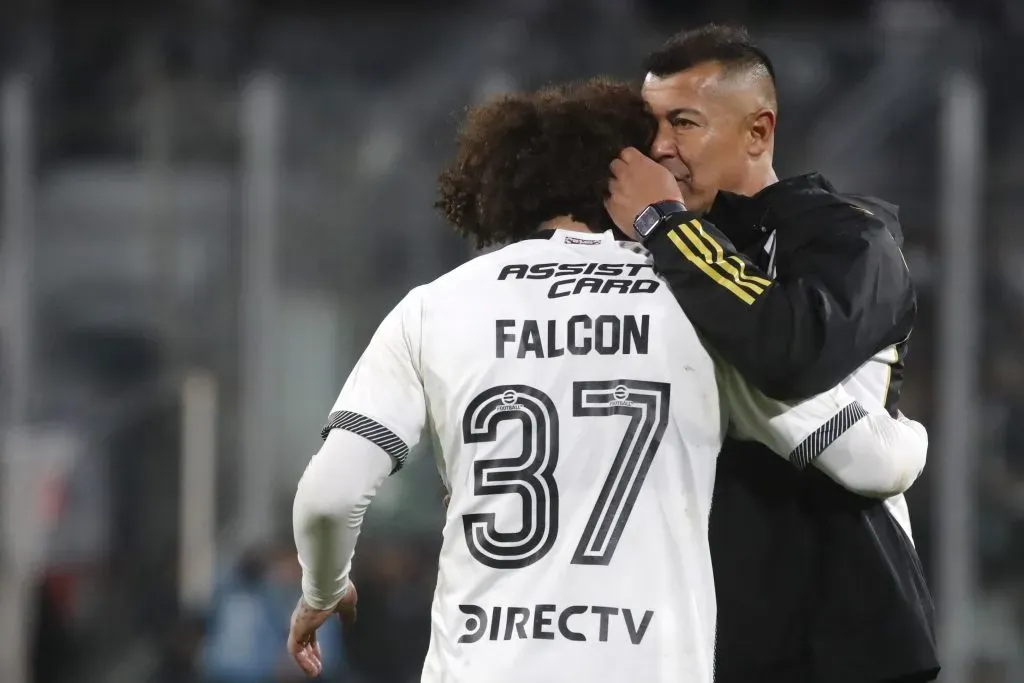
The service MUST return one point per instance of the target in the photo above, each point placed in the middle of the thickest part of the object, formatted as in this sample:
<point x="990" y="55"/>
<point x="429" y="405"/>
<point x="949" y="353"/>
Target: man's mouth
<point x="682" y="175"/>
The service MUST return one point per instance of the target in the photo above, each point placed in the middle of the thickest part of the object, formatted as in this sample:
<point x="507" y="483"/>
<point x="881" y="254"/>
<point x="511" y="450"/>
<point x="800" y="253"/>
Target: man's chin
<point x="693" y="202"/>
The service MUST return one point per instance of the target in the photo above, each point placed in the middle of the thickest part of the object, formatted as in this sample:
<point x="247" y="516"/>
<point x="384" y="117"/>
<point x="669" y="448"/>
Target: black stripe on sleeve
<point x="372" y="431"/>
<point x="823" y="437"/>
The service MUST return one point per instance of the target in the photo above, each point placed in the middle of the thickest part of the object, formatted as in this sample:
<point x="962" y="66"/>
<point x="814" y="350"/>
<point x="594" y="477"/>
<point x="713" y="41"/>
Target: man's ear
<point x="761" y="132"/>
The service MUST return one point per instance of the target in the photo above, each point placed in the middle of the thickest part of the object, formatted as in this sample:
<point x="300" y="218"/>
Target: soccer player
<point x="576" y="417"/>
<point x="823" y="295"/>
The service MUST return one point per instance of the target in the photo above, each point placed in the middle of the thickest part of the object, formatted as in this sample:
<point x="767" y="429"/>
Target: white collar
<point x="576" y="237"/>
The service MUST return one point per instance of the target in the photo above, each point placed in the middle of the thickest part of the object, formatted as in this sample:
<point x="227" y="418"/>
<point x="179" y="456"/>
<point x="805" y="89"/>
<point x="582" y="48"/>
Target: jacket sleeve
<point x="839" y="298"/>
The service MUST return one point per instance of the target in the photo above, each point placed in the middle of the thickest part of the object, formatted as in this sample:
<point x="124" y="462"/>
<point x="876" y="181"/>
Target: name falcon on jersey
<point x="580" y="335"/>
<point x="579" y="623"/>
<point x="598" y="278"/>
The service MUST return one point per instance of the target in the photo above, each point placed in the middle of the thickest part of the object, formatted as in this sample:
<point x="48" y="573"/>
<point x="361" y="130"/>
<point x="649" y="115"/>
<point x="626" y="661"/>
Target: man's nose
<point x="664" y="145"/>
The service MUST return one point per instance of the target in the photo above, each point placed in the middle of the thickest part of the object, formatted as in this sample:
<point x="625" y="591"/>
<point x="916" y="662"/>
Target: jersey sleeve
<point x="869" y="453"/>
<point x="798" y="431"/>
<point x="383" y="400"/>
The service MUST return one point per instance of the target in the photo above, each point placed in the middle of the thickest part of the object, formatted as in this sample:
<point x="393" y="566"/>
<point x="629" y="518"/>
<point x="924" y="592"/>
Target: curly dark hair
<point x="527" y="158"/>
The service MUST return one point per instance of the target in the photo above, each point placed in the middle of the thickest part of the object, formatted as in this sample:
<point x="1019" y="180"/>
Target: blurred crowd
<point x="138" y="125"/>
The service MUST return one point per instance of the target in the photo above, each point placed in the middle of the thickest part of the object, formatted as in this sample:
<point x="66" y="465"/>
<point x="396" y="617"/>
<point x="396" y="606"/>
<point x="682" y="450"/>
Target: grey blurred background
<point x="208" y="205"/>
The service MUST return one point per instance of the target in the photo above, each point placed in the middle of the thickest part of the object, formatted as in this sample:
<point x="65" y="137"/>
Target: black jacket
<point x="814" y="584"/>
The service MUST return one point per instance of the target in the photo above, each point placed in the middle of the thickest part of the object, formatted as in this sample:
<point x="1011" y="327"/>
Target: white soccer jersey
<point x="869" y="384"/>
<point x="578" y="420"/>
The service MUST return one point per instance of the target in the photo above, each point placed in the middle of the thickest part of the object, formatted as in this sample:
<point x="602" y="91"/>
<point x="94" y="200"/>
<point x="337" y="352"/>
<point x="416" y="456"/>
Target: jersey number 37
<point x="531" y="474"/>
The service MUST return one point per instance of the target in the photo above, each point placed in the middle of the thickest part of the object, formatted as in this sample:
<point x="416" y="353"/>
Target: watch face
<point x="646" y="221"/>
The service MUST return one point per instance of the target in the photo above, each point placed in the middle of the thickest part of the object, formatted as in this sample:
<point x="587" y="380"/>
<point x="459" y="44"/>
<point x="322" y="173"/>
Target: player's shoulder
<point x="481" y="266"/>
<point x="472" y="272"/>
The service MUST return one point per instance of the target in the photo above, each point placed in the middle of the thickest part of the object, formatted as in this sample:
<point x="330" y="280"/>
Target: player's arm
<point x="376" y="420"/>
<point x="869" y="453"/>
<point x="838" y="299"/>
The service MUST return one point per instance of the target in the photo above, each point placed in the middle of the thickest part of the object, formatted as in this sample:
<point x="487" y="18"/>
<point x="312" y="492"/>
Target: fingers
<point x="622" y="162"/>
<point x="306" y="654"/>
<point x="302" y="642"/>
<point x="627" y="157"/>
<point x="309" y="662"/>
<point x="631" y="154"/>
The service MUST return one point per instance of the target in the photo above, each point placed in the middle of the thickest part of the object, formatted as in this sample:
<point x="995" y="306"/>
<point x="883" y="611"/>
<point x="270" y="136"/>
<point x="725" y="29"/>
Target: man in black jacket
<point x="800" y="288"/>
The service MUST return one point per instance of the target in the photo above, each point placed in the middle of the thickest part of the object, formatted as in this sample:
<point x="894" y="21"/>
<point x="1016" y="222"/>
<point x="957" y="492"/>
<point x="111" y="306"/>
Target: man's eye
<point x="683" y="123"/>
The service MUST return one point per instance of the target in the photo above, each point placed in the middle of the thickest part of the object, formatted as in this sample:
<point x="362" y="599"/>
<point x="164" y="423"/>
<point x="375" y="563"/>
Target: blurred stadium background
<point x="208" y="205"/>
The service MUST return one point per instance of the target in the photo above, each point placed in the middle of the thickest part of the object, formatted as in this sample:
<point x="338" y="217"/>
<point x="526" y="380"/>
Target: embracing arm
<point x="844" y="296"/>
<point x="869" y="453"/>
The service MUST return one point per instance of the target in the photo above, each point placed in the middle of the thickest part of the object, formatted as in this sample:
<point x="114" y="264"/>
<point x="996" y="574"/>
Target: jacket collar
<point x="744" y="218"/>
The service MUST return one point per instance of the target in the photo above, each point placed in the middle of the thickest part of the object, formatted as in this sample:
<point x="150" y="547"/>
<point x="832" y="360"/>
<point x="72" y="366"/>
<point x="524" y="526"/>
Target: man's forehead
<point x="682" y="89"/>
<point x="701" y="89"/>
<point x="696" y="78"/>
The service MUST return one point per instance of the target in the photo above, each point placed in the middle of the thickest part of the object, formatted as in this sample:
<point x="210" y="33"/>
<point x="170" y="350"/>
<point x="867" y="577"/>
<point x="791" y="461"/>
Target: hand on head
<point x="637" y="182"/>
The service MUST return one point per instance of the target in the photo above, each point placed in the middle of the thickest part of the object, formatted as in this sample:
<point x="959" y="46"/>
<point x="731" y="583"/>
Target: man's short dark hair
<point x="527" y="158"/>
<point x="730" y="46"/>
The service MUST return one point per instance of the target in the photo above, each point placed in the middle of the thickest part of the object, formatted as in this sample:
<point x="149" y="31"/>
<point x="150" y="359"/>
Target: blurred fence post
<point x="158" y="176"/>
<point x="16" y="333"/>
<point x="18" y="199"/>
<point x="198" y="506"/>
<point x="955" y="441"/>
<point x="261" y="126"/>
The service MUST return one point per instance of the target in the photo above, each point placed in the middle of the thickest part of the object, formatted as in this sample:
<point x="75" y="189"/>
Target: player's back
<point x="578" y="420"/>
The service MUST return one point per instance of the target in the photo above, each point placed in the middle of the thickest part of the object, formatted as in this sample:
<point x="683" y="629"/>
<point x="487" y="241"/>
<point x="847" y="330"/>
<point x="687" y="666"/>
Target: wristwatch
<point x="652" y="216"/>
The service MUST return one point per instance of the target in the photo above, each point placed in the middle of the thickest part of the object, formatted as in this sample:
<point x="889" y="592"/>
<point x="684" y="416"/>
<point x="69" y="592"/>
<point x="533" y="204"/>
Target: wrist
<point x="655" y="216"/>
<point x="321" y="599"/>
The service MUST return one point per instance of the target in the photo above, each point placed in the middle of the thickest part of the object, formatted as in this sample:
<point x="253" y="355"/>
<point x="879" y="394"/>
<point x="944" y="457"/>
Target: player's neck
<point x="565" y="223"/>
<point x="762" y="177"/>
